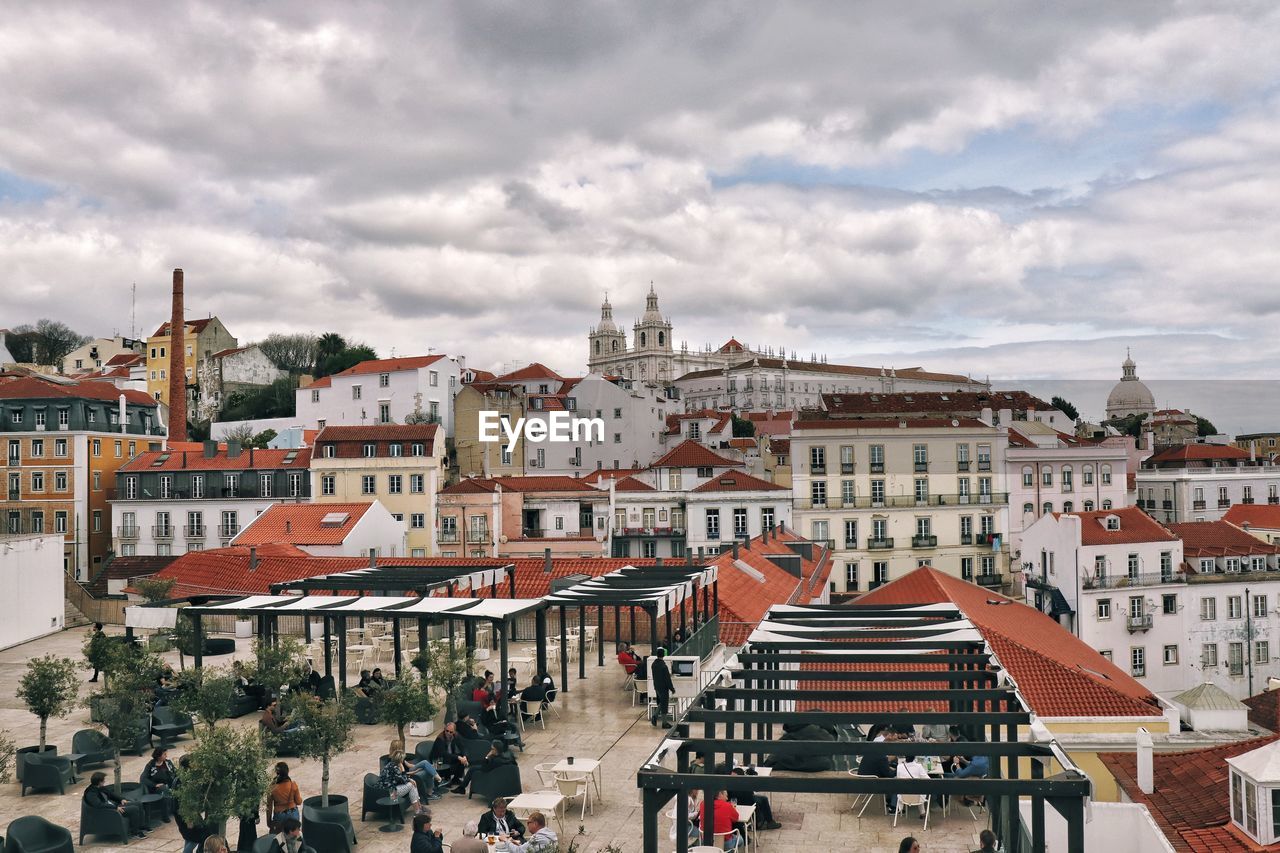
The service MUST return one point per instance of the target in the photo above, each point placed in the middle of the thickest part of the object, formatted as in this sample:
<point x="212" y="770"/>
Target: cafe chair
<point x="574" y="785"/>
<point x="719" y="839"/>
<point x="905" y="801"/>
<point x="861" y="801"/>
<point x="547" y="774"/>
<point x="639" y="688"/>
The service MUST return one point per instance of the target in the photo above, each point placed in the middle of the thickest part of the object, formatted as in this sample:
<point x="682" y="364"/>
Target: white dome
<point x="1131" y="394"/>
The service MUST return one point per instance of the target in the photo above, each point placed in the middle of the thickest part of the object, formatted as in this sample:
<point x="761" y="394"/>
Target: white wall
<point x="32" y="579"/>
<point x="246" y="509"/>
<point x="377" y="529"/>
<point x="1127" y="826"/>
<point x="406" y="391"/>
<point x="638" y="430"/>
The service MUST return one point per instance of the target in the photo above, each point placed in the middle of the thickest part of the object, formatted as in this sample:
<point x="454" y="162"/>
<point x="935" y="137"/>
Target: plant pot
<point x="244" y="628"/>
<point x="19" y="756"/>
<point x="338" y="811"/>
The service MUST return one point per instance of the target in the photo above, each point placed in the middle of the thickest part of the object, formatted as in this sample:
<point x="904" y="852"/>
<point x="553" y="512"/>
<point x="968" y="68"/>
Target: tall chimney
<point x="177" y="365"/>
<point x="1146" y="762"/>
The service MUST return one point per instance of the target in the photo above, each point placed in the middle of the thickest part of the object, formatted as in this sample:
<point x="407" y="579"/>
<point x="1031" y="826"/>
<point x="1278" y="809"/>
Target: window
<point x="879" y="529"/>
<point x="818" y="492"/>
<point x="1169" y="604"/>
<point x="881" y="572"/>
<point x="851" y="533"/>
<point x="97" y="447"/>
<point x="713" y="524"/>
<point x="1233" y="607"/>
<point x="962" y="457"/>
<point x="295" y="485"/>
<point x="1106" y="504"/>
<point x="1086" y="474"/>
<point x="1106" y="477"/>
<point x="384" y="380"/>
<point x="1235" y="658"/>
<point x="418" y="520"/>
<point x="315" y="396"/>
<point x="395" y="450"/>
<point x="327" y="484"/>
<point x="1106" y="654"/>
<point x="417" y="449"/>
<point x="37" y="521"/>
<point x="195" y="523"/>
<point x="1133" y="566"/>
<point x="417" y="483"/>
<point x="1138" y="661"/>
<point x="433" y="378"/>
<point x="846" y="492"/>
<point x="818" y="460"/>
<point x="877" y="492"/>
<point x="1208" y="609"/>
<point x="1047" y="509"/>
<point x="819" y="531"/>
<point x="355" y="392"/>
<point x="37" y="447"/>
<point x="370" y="450"/>
<point x="1104" y="608"/>
<point x="40" y="419"/>
<point x="231" y="485"/>
<point x="1046" y="476"/>
<point x="924" y="526"/>
<point x="1170" y="655"/>
<point x="876" y="458"/>
<point x="846" y="459"/>
<point x="384" y="413"/>
<point x="987" y="565"/>
<point x="60" y="447"/>
<point x="920" y="456"/>
<point x="766" y="518"/>
<point x="329" y="451"/>
<point x="1261" y="651"/>
<point x="162" y="524"/>
<point x="230" y="523"/>
<point x="60" y="521"/>
<point x="97" y="521"/>
<point x="987" y="527"/>
<point x="1067" y="479"/>
<point x="367" y="486"/>
<point x="265" y="485"/>
<point x="197" y="485"/>
<point x="984" y="457"/>
<point x="1259" y="605"/>
<point x="60" y="481"/>
<point x="966" y="568"/>
<point x="922" y="490"/>
<point x="395" y="484"/>
<point x="37" y="481"/>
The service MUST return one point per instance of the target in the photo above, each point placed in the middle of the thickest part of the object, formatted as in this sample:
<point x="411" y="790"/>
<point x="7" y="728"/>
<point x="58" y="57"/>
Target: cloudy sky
<point x="973" y="186"/>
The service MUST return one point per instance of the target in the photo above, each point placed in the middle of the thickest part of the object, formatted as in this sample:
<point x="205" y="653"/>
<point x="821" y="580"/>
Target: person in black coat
<point x="99" y="796"/>
<point x="880" y="766"/>
<point x="447" y="754"/>
<point x="467" y="728"/>
<point x="497" y="756"/>
<point x="531" y="697"/>
<point x="661" y="684"/>
<point x="159" y="777"/>
<point x="425" y="839"/>
<point x="499" y="821"/>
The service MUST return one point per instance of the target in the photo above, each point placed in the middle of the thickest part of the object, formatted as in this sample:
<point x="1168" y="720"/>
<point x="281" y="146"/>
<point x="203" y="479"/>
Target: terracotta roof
<point x="532" y="581"/>
<point x="1135" y="526"/>
<point x="390" y="365"/>
<point x="887" y="423"/>
<point x="744" y="599"/>
<point x="821" y="367"/>
<point x="303" y="524"/>
<point x="1265" y="516"/>
<point x="196" y="326"/>
<point x="1059" y="674"/>
<point x="21" y="387"/>
<point x="1189" y="800"/>
<point x="195" y="460"/>
<point x="382" y="432"/>
<point x="123" y="569"/>
<point x="631" y="484"/>
<point x="1195" y="453"/>
<point x="1218" y="538"/>
<point x="721" y="420"/>
<point x="550" y="403"/>
<point x="742" y="443"/>
<point x="482" y="376"/>
<point x="478" y="485"/>
<point x="531" y="371"/>
<point x="732" y="345"/>
<point x="600" y="475"/>
<point x="690" y="454"/>
<point x="223" y="353"/>
<point x="1264" y="710"/>
<point x="930" y="402"/>
<point x="322" y="382"/>
<point x="125" y="359"/>
<point x="738" y="481"/>
<point x="779" y="445"/>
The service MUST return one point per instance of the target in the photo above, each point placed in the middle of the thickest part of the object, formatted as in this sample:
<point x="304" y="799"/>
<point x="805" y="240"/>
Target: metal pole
<point x="342" y="654"/>
<point x="328" y="648"/>
<point x="540" y="639"/>
<point x="1037" y="811"/>
<point x="564" y="652"/>
<point x="395" y="633"/>
<point x="600" y="635"/>
<point x="197" y="637"/>
<point x="582" y="642"/>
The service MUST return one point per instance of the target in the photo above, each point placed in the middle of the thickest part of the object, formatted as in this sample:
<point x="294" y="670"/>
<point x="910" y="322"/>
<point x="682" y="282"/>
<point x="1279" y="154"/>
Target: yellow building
<point x="203" y="338"/>
<point x="400" y="465"/>
<point x="478" y="458"/>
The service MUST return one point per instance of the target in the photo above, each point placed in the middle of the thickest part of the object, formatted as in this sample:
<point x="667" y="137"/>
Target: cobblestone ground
<point x="596" y="720"/>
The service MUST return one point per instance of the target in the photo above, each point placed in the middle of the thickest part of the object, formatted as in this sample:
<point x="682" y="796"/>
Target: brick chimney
<point x="177" y="365"/>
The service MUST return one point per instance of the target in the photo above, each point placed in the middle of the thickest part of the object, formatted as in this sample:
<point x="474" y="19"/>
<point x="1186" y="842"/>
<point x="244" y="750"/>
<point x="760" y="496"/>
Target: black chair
<point x="328" y="689"/>
<point x="423" y="750"/>
<point x="327" y="836"/>
<point x="93" y="748"/>
<point x="472" y="707"/>
<point x="34" y="834"/>
<point x="47" y="772"/>
<point x="169" y="725"/>
<point x="241" y="704"/>
<point x="373" y="791"/>
<point x="475" y="750"/>
<point x="141" y="737"/>
<point x="501" y="781"/>
<point x="105" y="822"/>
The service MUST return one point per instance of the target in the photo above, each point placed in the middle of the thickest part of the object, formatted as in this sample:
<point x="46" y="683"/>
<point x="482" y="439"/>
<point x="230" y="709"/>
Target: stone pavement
<point x="596" y="720"/>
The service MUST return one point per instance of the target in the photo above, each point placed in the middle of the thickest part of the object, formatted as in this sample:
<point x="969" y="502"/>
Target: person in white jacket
<point x="542" y="839"/>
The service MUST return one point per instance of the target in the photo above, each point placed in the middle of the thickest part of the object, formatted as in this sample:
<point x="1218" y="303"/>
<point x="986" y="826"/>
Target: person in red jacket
<point x="723" y="816"/>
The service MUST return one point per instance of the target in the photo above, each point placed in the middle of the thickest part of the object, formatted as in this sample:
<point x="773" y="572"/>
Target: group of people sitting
<point x="531" y="836"/>
<point x="370" y="683"/>
<point x="888" y="767"/>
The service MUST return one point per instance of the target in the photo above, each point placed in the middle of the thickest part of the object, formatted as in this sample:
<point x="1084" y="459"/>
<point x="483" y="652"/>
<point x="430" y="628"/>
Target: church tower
<point x="607" y="343"/>
<point x="652" y="342"/>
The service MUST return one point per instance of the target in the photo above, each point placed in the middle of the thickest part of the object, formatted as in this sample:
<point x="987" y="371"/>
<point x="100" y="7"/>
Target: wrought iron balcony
<point x="924" y="541"/>
<point x="162" y="531"/>
<point x="649" y="532"/>
<point x="1141" y="622"/>
<point x="962" y="466"/>
<point x="128" y="531"/>
<point x="448" y="537"/>
<point x="879" y="544"/>
<point x="877" y="467"/>
<point x="226" y="531"/>
<point x="1197" y="504"/>
<point x="481" y="536"/>
<point x="992" y="580"/>
<point x="966" y="538"/>
<point x="1134" y="580"/>
<point x="194" y="531"/>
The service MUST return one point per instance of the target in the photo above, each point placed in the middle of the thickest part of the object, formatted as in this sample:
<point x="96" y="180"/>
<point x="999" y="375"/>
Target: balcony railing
<point x="984" y="465"/>
<point x="877" y="467"/>
<point x="651" y="532"/>
<point x="846" y="468"/>
<point x="1223" y="504"/>
<point x="193" y="531"/>
<point x="966" y="538"/>
<point x="1126" y="581"/>
<point x="162" y="532"/>
<point x="15" y="496"/>
<point x="1246" y="500"/>
<point x="482" y="536"/>
<point x="128" y="531"/>
<point x="1166" y="504"/>
<point x="226" y="531"/>
<point x="903" y="501"/>
<point x="921" y="467"/>
<point x="1141" y="622"/>
<point x="962" y="465"/>
<point x="924" y="541"/>
<point x="1197" y="504"/>
<point x="1274" y="499"/>
<point x="879" y="544"/>
<point x="448" y="537"/>
<point x="817" y="469"/>
<point x="992" y="580"/>
<point x="985" y="538"/>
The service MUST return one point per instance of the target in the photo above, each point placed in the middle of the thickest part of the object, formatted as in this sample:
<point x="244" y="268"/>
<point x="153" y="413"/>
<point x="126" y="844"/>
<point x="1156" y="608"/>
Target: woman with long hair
<point x="286" y="799"/>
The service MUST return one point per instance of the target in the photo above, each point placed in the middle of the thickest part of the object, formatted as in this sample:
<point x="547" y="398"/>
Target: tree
<point x="325" y="731"/>
<point x="48" y="689"/>
<point x="47" y="342"/>
<point x="263" y="439"/>
<point x="446" y="668"/>
<point x="349" y="357"/>
<point x="153" y="589"/>
<point x="7" y="753"/>
<point x="184" y="637"/>
<point x="408" y="700"/>
<point x="124" y="703"/>
<point x="241" y="434"/>
<point x="279" y="662"/>
<point x="267" y="401"/>
<point x="99" y="651"/>
<point x="226" y="777"/>
<point x="1063" y="405"/>
<point x="743" y="427"/>
<point x="328" y="344"/>
<point x="295" y="353"/>
<point x="205" y="694"/>
<point x="1204" y="426"/>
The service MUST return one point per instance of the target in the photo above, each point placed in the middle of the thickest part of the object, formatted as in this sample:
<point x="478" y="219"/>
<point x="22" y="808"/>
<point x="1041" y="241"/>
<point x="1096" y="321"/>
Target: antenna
<point x="133" y="314"/>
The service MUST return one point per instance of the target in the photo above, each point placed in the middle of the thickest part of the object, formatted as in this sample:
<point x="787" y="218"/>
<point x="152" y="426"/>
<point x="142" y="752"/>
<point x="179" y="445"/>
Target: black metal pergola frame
<point x="651" y="589"/>
<point x="947" y="664"/>
<point x="404" y="579"/>
<point x="335" y="610"/>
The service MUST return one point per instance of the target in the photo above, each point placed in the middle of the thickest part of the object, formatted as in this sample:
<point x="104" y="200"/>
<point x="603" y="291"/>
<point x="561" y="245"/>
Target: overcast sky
<point x="982" y="187"/>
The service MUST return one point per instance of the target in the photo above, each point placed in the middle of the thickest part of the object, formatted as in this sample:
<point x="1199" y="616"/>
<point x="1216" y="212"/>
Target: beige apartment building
<point x="400" y="465"/>
<point x="476" y="458"/>
<point x="890" y="495"/>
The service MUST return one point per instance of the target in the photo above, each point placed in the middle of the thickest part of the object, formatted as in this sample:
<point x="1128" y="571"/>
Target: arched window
<point x="1048" y="507"/>
<point x="1087" y="474"/>
<point x="1028" y="508"/>
<point x="1106" y="477"/>
<point x="642" y="340"/>
<point x="597" y="347"/>
<point x="615" y="346"/>
<point x="1028" y="477"/>
<point x="1106" y="504"/>
<point x="1068" y="506"/>
<point x="662" y="338"/>
<point x="1068" y="478"/>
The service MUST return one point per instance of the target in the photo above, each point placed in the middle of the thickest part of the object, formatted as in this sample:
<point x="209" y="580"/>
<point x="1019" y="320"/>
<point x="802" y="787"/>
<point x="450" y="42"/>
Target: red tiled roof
<point x="732" y="345"/>
<point x="1218" y="538"/>
<point x="125" y="359"/>
<point x="1135" y="526"/>
<point x="382" y="432"/>
<point x="742" y="443"/>
<point x="188" y="460"/>
<point x="1264" y="710"/>
<point x="690" y="454"/>
<point x="391" y="365"/>
<point x="1059" y="674"/>
<point x="196" y="326"/>
<point x="550" y="403"/>
<point x="744" y="600"/>
<point x="223" y="353"/>
<point x="1189" y="800"/>
<point x="930" y="402"/>
<point x="482" y="376"/>
<point x="531" y="371"/>
<point x="602" y="474"/>
<point x="721" y="419"/>
<point x="303" y="524"/>
<point x="780" y="445"/>
<point x="21" y="387"/>
<point x="125" y="568"/>
<point x="631" y="484"/>
<point x="1265" y="516"/>
<point x="322" y="382"/>
<point x="532" y="581"/>
<point x="889" y="423"/>
<point x="1196" y="453"/>
<point x="478" y="485"/>
<point x="738" y="481"/>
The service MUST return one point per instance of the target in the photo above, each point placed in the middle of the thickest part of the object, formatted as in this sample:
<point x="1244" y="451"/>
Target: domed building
<point x="1130" y="396"/>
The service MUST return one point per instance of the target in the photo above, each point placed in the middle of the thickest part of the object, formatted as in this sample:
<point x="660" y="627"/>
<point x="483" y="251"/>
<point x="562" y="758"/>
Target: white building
<point x="329" y="529"/>
<point x="1200" y="482"/>
<point x="383" y="391"/>
<point x="1175" y="607"/>
<point x="227" y="371"/>
<point x="6" y="358"/>
<point x="32" y="578"/>
<point x="1051" y="471"/>
<point x="892" y="495"/>
<point x="99" y="352"/>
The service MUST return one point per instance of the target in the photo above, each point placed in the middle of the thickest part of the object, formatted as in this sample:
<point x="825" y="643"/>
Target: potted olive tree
<point x="324" y="731"/>
<point x="408" y="701"/>
<point x="48" y="688"/>
<point x="155" y="591"/>
<point x="123" y="707"/>
<point x="278" y="663"/>
<point x="205" y="694"/>
<point x="225" y="778"/>
<point x="446" y="668"/>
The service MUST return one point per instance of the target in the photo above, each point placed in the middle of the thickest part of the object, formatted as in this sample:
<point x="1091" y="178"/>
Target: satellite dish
<point x="503" y="539"/>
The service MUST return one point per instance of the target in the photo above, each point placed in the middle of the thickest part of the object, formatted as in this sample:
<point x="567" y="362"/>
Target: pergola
<point x="685" y="592"/>
<point x="923" y="654"/>
<point x="335" y="610"/>
<point x="421" y="580"/>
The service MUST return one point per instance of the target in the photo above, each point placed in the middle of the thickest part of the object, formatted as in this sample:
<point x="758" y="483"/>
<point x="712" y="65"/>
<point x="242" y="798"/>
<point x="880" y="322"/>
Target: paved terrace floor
<point x="596" y="720"/>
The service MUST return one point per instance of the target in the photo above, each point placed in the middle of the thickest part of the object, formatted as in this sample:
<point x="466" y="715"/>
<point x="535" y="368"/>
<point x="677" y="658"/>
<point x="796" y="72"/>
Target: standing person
<point x="425" y="839"/>
<point x="909" y="845"/>
<point x="468" y="843"/>
<point x="660" y="681"/>
<point x="159" y="777"/>
<point x="542" y="839"/>
<point x="98" y="796"/>
<point x="285" y="799"/>
<point x="96" y="638"/>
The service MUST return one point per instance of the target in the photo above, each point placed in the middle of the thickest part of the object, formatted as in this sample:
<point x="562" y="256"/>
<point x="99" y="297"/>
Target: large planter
<point x="20" y="756"/>
<point x="338" y="811"/>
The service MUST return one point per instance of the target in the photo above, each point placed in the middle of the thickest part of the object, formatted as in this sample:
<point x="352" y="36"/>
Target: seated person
<point x="484" y="691"/>
<point x="377" y="681"/>
<point x="498" y="821"/>
<point x="497" y="756"/>
<point x="159" y="777"/>
<point x="421" y="771"/>
<point x="987" y="839"/>
<point x="532" y="697"/>
<point x="426" y="839"/>
<point x="494" y="724"/>
<point x="764" y="808"/>
<point x="969" y="767"/>
<point x="364" y="687"/>
<point x="247" y="685"/>
<point x="310" y="680"/>
<point x="394" y="779"/>
<point x="935" y="732"/>
<point x="804" y="763"/>
<point x="542" y="839"/>
<point x="273" y="722"/>
<point x="467" y="728"/>
<point x="630" y="660"/>
<point x="447" y="754"/>
<point x="99" y="796"/>
<point x="904" y="730"/>
<point x="721" y="819"/>
<point x="880" y="766"/>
